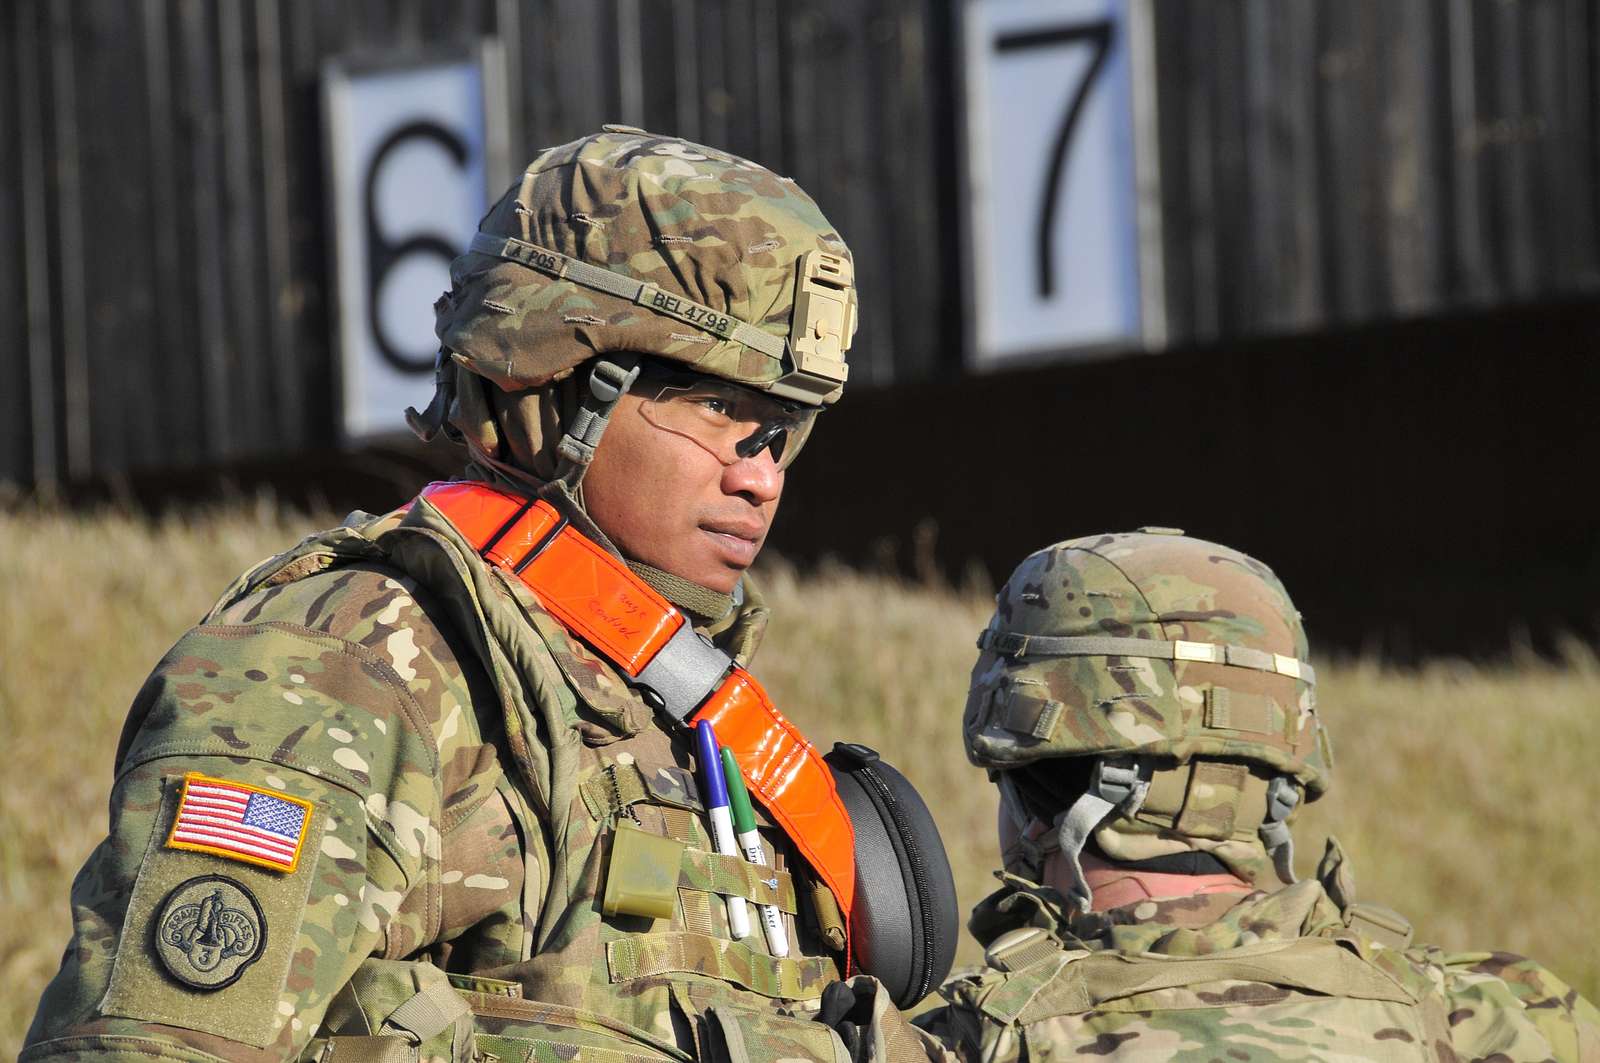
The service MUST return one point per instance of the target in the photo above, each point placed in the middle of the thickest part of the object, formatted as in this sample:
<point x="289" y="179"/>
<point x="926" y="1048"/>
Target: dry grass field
<point x="1462" y="794"/>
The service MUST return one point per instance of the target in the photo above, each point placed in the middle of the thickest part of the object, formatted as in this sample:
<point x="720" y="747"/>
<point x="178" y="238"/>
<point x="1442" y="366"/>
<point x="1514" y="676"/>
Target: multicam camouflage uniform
<point x="464" y="758"/>
<point x="1179" y="666"/>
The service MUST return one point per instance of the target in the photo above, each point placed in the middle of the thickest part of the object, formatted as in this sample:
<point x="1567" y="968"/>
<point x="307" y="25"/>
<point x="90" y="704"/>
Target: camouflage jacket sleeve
<point x="334" y="715"/>
<point x="960" y="1024"/>
<point x="1510" y="1008"/>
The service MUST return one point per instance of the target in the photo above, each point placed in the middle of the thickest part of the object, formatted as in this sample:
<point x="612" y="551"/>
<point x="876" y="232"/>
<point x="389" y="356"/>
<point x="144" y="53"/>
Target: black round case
<point x="904" y="921"/>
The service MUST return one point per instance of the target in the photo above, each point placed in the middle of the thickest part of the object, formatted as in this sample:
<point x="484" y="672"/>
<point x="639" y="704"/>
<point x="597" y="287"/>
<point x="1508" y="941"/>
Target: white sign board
<point x="1051" y="182"/>
<point x="410" y="156"/>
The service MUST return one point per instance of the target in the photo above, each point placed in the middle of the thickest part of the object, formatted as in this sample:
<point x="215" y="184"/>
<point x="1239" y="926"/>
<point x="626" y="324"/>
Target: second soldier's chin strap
<point x="1282" y="797"/>
<point x="609" y="379"/>
<point x="1117" y="785"/>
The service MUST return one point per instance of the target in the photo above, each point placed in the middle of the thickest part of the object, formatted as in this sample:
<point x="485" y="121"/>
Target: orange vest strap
<point x="598" y="598"/>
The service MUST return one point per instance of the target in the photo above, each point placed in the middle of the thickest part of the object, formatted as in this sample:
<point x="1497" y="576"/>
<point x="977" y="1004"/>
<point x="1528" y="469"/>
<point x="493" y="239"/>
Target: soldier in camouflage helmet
<point x="1144" y="704"/>
<point x="388" y="800"/>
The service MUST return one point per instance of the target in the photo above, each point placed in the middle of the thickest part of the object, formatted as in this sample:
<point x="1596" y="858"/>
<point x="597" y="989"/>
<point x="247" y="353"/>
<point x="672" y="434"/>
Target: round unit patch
<point x="210" y="929"/>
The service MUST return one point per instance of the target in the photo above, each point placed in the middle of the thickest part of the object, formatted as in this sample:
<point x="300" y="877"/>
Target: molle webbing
<point x="1013" y="644"/>
<point x="594" y="595"/>
<point x="678" y="307"/>
<point x="784" y="978"/>
<point x="735" y="876"/>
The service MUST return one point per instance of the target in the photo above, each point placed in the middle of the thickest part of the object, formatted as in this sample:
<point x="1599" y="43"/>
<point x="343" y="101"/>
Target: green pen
<point x="744" y="833"/>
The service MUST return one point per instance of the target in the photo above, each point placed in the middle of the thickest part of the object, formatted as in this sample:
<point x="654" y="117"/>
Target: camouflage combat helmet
<point x="627" y="243"/>
<point x="1176" y="668"/>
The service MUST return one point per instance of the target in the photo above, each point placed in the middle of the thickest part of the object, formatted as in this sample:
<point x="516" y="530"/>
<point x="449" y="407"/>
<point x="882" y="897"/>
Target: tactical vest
<point x="1344" y="992"/>
<point x="592" y="765"/>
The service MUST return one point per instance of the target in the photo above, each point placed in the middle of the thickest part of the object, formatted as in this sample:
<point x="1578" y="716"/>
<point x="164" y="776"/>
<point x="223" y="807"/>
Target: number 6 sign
<point x="1052" y="200"/>
<point x="413" y="149"/>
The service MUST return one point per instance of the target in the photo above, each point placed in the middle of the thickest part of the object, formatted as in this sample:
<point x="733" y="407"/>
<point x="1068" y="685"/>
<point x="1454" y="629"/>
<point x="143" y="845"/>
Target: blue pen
<point x="717" y="807"/>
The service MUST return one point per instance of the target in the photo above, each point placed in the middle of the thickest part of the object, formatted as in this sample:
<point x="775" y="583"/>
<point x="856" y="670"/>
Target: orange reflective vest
<point x="598" y="598"/>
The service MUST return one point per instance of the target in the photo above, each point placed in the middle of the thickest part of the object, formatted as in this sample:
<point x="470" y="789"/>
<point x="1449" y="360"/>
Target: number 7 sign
<point x="1052" y="187"/>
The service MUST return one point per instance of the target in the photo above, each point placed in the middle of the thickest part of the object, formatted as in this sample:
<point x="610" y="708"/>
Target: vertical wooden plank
<point x="1355" y="270"/>
<point x="1587" y="85"/>
<point x="630" y="61"/>
<point x="582" y="64"/>
<point x="828" y="78"/>
<point x="204" y="253"/>
<point x="1260" y="224"/>
<point x="1238" y="302"/>
<point x="15" y="447"/>
<point x="767" y="43"/>
<point x="1348" y="108"/>
<point x="72" y="297"/>
<point x="1297" y="125"/>
<point x="287" y="417"/>
<point x="739" y="61"/>
<point x="173" y="365"/>
<point x="125" y="405"/>
<point x="686" y="89"/>
<point x="318" y="32"/>
<point x="508" y="26"/>
<point x="252" y="392"/>
<point x="1560" y="156"/>
<point x="921" y="239"/>
<point x="1174" y="91"/>
<point x="1200" y="88"/>
<point x="43" y="418"/>
<point x="1242" y="302"/>
<point x="710" y="47"/>
<point x="1470" y="273"/>
<point x="541" y="113"/>
<point x="658" y="71"/>
<point x="1409" y="146"/>
<point x="1514" y="126"/>
<point x="1581" y="88"/>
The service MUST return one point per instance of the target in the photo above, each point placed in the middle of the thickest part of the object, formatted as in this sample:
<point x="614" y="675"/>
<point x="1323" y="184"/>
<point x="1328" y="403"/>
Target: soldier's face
<point x="666" y="500"/>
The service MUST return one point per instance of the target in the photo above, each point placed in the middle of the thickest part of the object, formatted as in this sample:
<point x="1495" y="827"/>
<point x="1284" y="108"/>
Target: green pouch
<point x="642" y="878"/>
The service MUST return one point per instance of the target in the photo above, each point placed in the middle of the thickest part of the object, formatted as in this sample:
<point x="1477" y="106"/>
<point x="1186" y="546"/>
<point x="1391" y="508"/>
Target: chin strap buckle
<point x="609" y="379"/>
<point x="1282" y="799"/>
<point x="429" y="422"/>
<point x="1118" y="785"/>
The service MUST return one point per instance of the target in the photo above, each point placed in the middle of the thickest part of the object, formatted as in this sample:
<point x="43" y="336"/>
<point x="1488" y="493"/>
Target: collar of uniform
<point x="1196" y="926"/>
<point x="702" y="605"/>
<point x="739" y="634"/>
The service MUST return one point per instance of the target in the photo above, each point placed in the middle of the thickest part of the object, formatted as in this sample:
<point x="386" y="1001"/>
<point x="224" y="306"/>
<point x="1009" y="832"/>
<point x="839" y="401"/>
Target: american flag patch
<point x="240" y="822"/>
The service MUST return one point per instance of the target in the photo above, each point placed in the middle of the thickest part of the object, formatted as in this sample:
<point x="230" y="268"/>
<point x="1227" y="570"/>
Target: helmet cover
<point x="716" y="241"/>
<point x="1224" y="676"/>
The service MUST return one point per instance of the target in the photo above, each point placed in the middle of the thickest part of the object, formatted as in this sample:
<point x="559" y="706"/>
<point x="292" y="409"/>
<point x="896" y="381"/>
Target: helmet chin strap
<point x="1117" y="785"/>
<point x="609" y="379"/>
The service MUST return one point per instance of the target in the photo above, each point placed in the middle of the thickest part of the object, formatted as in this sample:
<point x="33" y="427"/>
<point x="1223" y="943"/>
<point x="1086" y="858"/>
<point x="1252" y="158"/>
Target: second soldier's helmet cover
<point x="629" y="241"/>
<point x="1146" y="644"/>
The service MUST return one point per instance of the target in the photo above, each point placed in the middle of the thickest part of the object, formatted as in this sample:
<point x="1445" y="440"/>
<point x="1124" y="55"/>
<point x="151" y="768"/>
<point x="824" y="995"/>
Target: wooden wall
<point x="164" y="254"/>
<point x="163" y="247"/>
<point x="1328" y="162"/>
